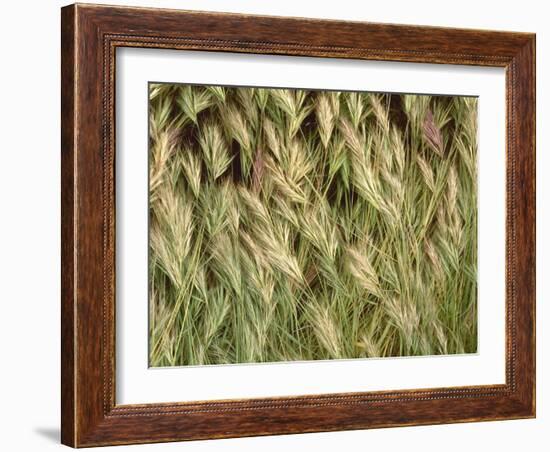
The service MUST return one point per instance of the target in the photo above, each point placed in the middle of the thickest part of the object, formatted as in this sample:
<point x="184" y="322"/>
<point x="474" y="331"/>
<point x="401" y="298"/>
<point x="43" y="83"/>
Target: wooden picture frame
<point x="90" y="35"/>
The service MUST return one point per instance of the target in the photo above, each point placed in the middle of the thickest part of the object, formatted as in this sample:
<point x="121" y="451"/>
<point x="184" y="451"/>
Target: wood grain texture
<point x="67" y="225"/>
<point x="90" y="36"/>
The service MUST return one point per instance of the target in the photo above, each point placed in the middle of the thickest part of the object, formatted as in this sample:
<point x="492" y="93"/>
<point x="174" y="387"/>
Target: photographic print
<point x="298" y="225"/>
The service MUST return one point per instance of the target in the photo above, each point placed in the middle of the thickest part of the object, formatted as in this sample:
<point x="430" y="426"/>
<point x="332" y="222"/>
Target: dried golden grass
<point x="301" y="225"/>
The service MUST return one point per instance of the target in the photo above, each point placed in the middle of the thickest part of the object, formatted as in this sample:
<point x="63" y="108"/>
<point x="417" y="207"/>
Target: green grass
<point x="303" y="225"/>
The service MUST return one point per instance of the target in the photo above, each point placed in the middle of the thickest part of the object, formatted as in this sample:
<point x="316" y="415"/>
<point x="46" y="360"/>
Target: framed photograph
<point x="280" y="225"/>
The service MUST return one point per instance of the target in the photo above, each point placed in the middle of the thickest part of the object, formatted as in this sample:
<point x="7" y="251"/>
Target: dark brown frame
<point x="90" y="34"/>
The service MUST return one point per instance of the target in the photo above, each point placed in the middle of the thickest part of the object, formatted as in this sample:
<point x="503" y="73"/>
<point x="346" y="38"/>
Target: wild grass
<point x="303" y="225"/>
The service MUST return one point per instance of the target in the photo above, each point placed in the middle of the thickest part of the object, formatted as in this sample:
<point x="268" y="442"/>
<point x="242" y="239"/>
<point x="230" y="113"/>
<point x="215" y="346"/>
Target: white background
<point x="29" y="226"/>
<point x="135" y="383"/>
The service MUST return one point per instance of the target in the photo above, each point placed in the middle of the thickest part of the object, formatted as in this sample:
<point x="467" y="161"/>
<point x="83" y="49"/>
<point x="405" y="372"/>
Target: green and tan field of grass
<point x="303" y="225"/>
